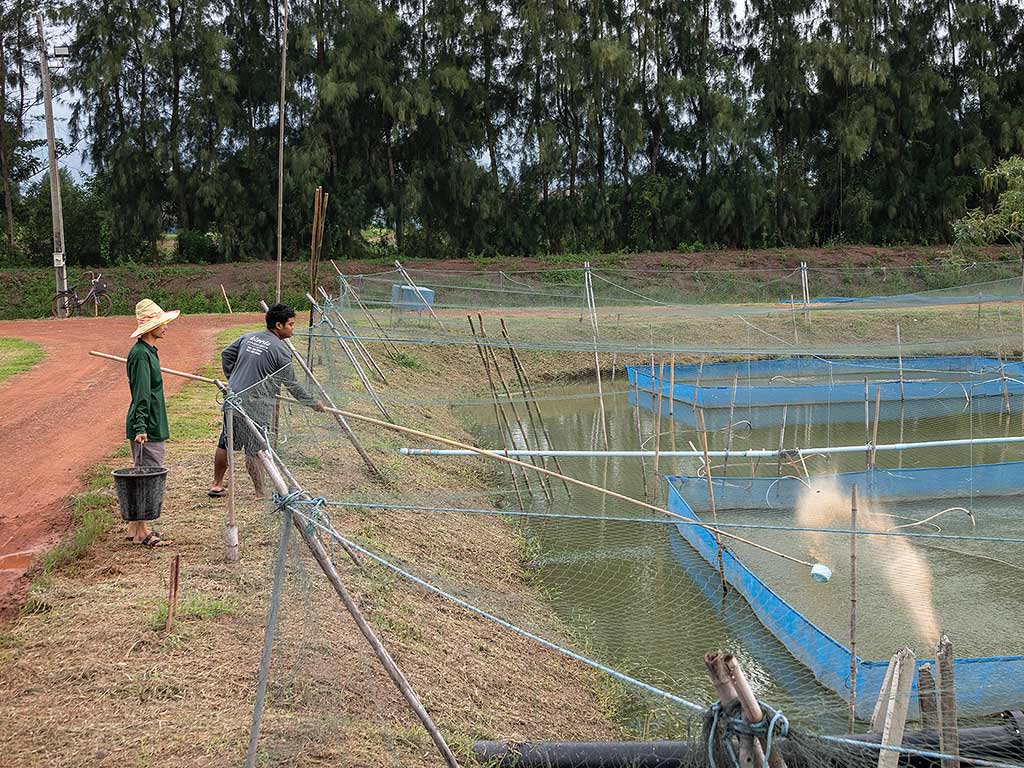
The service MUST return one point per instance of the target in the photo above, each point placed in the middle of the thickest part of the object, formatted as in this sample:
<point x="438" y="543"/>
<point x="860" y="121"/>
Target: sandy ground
<point x="64" y="416"/>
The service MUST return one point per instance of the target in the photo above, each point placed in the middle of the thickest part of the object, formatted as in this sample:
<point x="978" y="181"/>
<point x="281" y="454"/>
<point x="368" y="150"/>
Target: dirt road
<point x="64" y="416"/>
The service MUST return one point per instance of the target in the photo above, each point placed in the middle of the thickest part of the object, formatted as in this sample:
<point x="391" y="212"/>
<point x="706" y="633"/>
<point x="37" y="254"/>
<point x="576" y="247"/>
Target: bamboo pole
<point x="750" y="752"/>
<point x="696" y="389"/>
<point x="874" y="431"/>
<point x="385" y="340"/>
<point x="528" y="394"/>
<point x="640" y="436"/>
<point x="899" y="352"/>
<point x="499" y="415"/>
<point x="323" y="559"/>
<point x="356" y="341"/>
<point x="589" y="286"/>
<point x="711" y="496"/>
<point x="230" y="526"/>
<point x="353" y="360"/>
<point x="949" y="734"/>
<point x="545" y="483"/>
<point x="792" y="308"/>
<point x="853" y="605"/>
<point x="225" y="295"/>
<point x="782" y="439"/>
<point x="752" y="711"/>
<point x="580" y="483"/>
<point x="263" y="675"/>
<point x="672" y="389"/>
<point x="416" y="290"/>
<point x="183" y="374"/>
<point x="1006" y="390"/>
<point x="657" y="426"/>
<point x="867" y="426"/>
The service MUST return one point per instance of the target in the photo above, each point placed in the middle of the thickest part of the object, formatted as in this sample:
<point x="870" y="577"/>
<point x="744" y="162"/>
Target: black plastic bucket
<point x="140" y="491"/>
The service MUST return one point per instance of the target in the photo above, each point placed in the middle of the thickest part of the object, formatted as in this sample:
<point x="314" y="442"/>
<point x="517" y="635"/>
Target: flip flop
<point x="217" y="494"/>
<point x="154" y="540"/>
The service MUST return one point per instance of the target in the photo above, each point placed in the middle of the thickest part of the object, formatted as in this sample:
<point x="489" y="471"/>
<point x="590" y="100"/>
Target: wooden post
<point x="899" y="352"/>
<point x="878" y="713"/>
<point x="874" y="432"/>
<point x="782" y="439"/>
<point x="327" y="566"/>
<point x="896" y="708"/>
<point x="949" y="733"/>
<point x="926" y="700"/>
<point x="172" y="593"/>
<point x="225" y="295"/>
<point x="752" y="711"/>
<point x="657" y="427"/>
<point x="672" y="390"/>
<point x="230" y="527"/>
<point x="750" y="749"/>
<point x="711" y="497"/>
<point x="640" y="436"/>
<point x="867" y="426"/>
<point x="592" y="306"/>
<point x="853" y="605"/>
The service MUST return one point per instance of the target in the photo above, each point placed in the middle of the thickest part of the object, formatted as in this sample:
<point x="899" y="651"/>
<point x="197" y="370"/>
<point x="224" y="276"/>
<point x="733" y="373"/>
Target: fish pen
<point x="724" y="522"/>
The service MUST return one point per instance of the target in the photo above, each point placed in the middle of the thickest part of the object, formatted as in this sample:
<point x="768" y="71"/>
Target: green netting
<point x="616" y="585"/>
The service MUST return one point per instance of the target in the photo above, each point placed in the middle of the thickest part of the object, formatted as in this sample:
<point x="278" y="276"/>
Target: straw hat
<point x="150" y="316"/>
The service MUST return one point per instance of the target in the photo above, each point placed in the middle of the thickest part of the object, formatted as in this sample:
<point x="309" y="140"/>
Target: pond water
<point x="648" y="605"/>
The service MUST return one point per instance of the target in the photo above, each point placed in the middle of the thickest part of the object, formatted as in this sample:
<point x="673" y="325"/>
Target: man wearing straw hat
<point x="146" y="423"/>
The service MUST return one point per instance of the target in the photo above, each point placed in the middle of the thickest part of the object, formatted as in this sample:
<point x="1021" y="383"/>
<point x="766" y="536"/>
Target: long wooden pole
<point x="551" y="473"/>
<point x="230" y="526"/>
<point x="183" y="374"/>
<point x="356" y="341"/>
<point x="363" y="378"/>
<point x="711" y="496"/>
<point x="416" y="290"/>
<point x="280" y="151"/>
<point x="528" y="394"/>
<point x="589" y="287"/>
<point x="501" y="421"/>
<point x="323" y="559"/>
<point x="545" y="483"/>
<point x="853" y="605"/>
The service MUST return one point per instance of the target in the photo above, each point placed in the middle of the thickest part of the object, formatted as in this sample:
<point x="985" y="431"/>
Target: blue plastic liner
<point x="983" y="684"/>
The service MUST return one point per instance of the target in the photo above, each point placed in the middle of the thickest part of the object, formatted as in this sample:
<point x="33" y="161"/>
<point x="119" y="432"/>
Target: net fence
<point x="730" y="524"/>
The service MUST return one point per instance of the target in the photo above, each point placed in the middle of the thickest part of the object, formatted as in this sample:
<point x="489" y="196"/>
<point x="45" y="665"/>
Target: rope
<point x="772" y="724"/>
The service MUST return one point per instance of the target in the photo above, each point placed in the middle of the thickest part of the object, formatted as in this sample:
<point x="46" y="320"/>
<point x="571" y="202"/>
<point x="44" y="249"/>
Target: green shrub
<point x="197" y="247"/>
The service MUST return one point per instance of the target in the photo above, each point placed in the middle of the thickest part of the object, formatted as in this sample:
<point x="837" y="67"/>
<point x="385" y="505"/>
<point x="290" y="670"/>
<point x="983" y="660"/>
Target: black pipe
<point x="999" y="742"/>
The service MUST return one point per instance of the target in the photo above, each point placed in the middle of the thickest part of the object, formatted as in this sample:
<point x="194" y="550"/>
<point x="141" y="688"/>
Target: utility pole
<point x="55" y="204"/>
<point x="280" y="150"/>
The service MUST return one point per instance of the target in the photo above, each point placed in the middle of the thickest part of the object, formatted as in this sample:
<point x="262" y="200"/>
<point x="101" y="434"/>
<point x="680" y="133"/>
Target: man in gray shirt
<point x="256" y="365"/>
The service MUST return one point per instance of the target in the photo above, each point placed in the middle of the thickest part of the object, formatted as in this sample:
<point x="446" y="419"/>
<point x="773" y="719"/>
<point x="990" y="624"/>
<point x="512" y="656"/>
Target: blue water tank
<point x="403" y="298"/>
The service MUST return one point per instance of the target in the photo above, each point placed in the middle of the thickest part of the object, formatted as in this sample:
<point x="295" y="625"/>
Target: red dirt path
<point x="64" y="416"/>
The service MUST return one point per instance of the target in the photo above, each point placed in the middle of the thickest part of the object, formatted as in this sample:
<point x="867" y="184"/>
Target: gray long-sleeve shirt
<point x="256" y="365"/>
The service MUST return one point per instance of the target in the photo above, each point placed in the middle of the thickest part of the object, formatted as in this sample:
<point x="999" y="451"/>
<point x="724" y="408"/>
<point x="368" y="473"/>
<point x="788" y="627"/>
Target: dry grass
<point x="86" y="678"/>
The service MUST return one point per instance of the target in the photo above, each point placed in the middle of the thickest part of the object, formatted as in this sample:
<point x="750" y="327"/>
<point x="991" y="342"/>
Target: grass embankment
<point x="87" y="676"/>
<point x="17" y="356"/>
<point x="674" y="277"/>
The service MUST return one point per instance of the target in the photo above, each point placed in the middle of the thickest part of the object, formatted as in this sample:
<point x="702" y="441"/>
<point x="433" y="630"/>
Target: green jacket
<point x="147" y="413"/>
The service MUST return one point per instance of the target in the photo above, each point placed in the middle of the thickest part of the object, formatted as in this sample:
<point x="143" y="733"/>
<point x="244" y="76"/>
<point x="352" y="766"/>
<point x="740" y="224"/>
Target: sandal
<point x="217" y="494"/>
<point x="154" y="540"/>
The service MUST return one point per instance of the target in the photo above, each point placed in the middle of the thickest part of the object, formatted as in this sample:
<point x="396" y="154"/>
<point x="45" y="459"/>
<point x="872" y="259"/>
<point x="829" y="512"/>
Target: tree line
<point x="455" y="127"/>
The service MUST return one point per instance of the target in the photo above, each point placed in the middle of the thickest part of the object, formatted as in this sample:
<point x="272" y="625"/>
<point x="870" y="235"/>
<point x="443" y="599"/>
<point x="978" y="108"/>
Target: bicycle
<point x="97" y="301"/>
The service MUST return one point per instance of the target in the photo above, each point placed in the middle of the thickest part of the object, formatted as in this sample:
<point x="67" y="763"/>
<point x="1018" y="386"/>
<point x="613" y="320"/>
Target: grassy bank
<point x="698" y="277"/>
<point x="17" y="356"/>
<point x="87" y="675"/>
